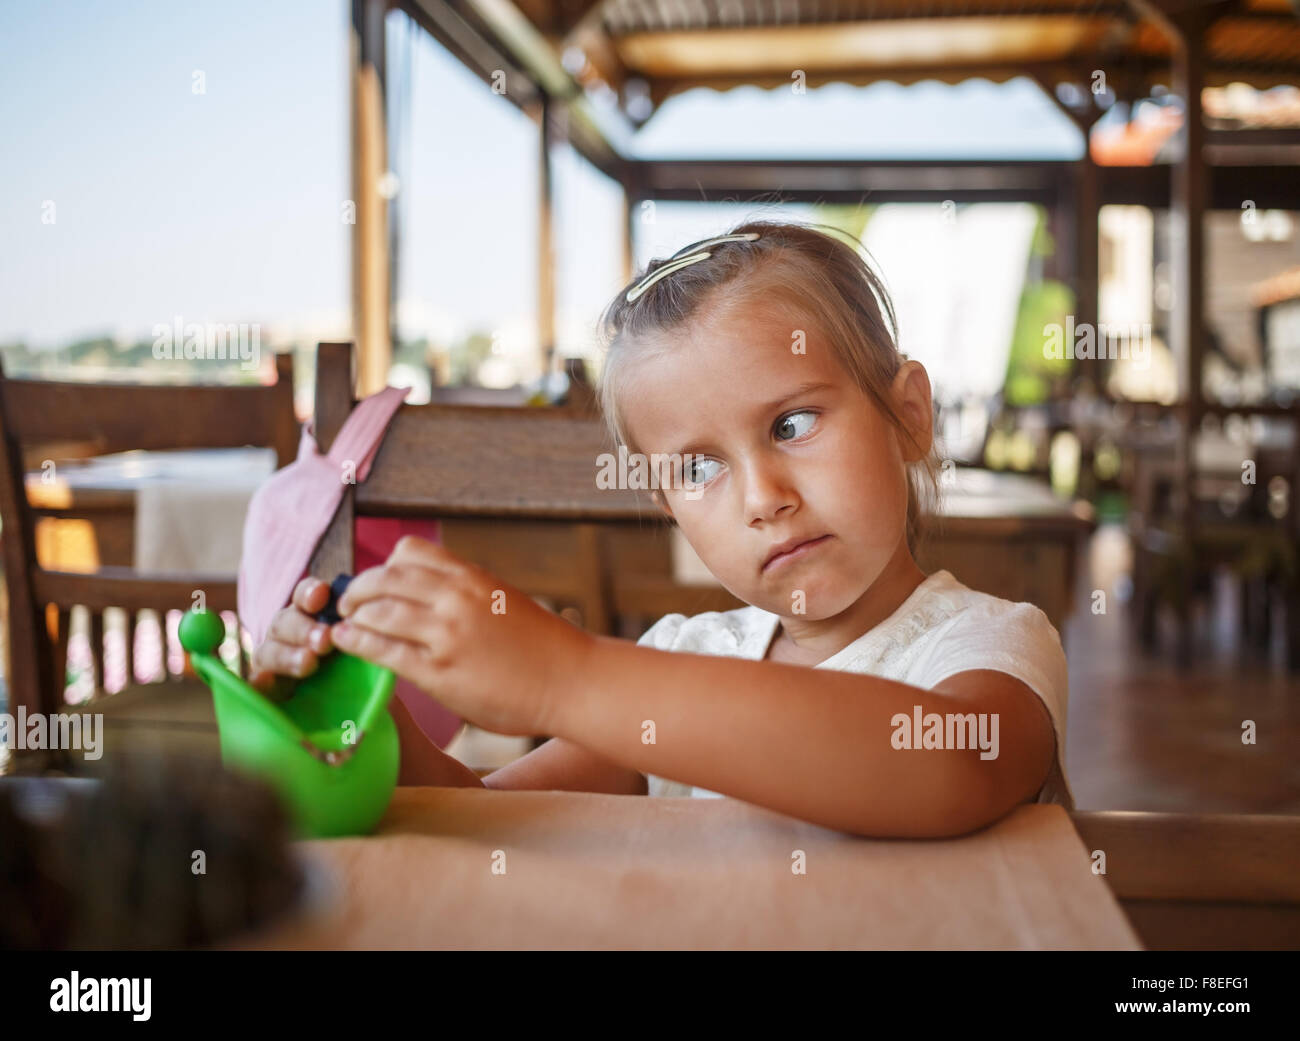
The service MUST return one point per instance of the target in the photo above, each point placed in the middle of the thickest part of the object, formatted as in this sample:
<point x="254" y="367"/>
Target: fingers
<point x="411" y="549"/>
<point x="272" y="684"/>
<point x="291" y="626"/>
<point x="409" y="581"/>
<point x="407" y="659"/>
<point x="311" y="595"/>
<point x="392" y="616"/>
<point x="295" y="640"/>
<point x="262" y="680"/>
<point x="285" y="658"/>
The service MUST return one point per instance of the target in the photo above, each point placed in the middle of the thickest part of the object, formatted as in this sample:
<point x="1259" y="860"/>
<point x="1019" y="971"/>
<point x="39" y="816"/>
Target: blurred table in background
<point x="1010" y="536"/>
<point x="1000" y="533"/>
<point x="151" y="511"/>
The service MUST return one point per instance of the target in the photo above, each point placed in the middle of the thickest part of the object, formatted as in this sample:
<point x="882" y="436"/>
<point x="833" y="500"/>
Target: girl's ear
<point x="912" y="401"/>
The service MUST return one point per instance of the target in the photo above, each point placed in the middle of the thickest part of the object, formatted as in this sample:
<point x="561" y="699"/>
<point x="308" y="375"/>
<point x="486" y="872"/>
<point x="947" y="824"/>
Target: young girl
<point x="854" y="691"/>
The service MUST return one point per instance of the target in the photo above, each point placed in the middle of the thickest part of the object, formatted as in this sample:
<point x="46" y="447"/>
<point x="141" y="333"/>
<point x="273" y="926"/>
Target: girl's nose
<point x="768" y="493"/>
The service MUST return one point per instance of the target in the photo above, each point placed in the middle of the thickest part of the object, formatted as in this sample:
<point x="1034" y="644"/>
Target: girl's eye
<point x="697" y="471"/>
<point x="795" y="425"/>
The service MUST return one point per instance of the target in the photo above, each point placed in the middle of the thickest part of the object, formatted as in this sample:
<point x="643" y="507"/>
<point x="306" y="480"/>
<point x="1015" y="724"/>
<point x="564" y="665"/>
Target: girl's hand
<point x="295" y="641"/>
<point x="480" y="647"/>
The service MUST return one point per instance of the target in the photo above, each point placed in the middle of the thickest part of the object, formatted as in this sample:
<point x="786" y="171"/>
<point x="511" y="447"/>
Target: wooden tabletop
<point x="971" y="500"/>
<point x="479" y="868"/>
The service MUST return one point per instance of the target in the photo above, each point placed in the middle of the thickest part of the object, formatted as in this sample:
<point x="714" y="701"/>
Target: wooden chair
<point x="1260" y="549"/>
<point x="112" y="418"/>
<point x="515" y="491"/>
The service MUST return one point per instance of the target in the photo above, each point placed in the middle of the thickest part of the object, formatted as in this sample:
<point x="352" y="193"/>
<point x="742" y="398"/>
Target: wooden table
<point x="463" y="868"/>
<point x="88" y="513"/>
<point x="1010" y="536"/>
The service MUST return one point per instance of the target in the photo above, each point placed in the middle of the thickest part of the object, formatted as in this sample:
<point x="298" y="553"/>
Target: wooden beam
<point x="371" y="288"/>
<point x="1147" y="70"/>
<point x="1173" y="16"/>
<point x="1082" y="120"/>
<point x="625" y="22"/>
<point x="502" y="25"/>
<point x="588" y="35"/>
<point x="1271" y="185"/>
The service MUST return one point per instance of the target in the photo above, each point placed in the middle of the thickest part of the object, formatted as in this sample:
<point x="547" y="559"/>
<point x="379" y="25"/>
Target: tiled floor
<point x="1143" y="736"/>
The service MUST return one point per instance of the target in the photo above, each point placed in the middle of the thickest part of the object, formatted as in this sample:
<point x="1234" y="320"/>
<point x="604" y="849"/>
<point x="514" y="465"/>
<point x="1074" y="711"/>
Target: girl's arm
<point x="557" y="765"/>
<point x="810" y="743"/>
<point x="563" y="766"/>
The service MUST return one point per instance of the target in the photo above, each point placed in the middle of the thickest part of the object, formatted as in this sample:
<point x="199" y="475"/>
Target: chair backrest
<point x="109" y="418"/>
<point x="516" y="490"/>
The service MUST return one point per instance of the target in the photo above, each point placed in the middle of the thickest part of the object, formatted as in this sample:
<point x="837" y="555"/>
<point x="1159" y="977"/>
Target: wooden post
<point x="370" y="245"/>
<point x="1075" y="214"/>
<point x="334" y="380"/>
<point x="29" y="669"/>
<point x="1187" y="214"/>
<point x="545" y="240"/>
<point x="1086" y="249"/>
<point x="631" y="200"/>
<point x="1186" y="22"/>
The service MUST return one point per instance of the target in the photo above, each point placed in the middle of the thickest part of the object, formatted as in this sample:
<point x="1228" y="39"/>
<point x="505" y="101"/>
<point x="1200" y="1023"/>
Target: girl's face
<point x="792" y="450"/>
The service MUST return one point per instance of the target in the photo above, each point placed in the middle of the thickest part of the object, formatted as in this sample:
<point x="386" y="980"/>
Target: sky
<point x="191" y="160"/>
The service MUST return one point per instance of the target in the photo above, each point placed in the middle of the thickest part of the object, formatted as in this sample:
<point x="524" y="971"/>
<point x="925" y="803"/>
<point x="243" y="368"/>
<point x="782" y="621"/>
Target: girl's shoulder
<point x="953" y="605"/>
<point x="741" y="632"/>
<point x="941" y="615"/>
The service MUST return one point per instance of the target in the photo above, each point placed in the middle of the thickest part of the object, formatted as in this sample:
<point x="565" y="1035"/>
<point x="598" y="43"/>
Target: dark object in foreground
<point x="163" y="852"/>
<point x="329" y="614"/>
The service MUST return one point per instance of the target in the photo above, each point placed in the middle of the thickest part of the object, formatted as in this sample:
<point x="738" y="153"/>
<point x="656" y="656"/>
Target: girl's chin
<point x="811" y="600"/>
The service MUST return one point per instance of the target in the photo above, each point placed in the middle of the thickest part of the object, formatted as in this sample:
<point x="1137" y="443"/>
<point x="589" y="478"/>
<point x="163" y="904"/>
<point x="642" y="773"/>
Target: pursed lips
<point x="787" y="553"/>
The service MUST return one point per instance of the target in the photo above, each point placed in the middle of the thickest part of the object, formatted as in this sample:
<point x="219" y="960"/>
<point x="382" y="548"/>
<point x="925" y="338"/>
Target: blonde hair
<point x="817" y="274"/>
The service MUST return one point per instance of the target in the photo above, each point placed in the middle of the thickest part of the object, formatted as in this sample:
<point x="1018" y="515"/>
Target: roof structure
<point x="647" y="50"/>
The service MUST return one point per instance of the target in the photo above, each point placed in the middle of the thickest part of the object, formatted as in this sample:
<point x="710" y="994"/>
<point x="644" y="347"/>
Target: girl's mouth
<point x="794" y="553"/>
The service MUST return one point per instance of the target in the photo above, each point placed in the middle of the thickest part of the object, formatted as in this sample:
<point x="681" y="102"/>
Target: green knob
<point x="201" y="632"/>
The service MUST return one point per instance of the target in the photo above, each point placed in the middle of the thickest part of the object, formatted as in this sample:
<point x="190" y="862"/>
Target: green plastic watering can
<point x="330" y="750"/>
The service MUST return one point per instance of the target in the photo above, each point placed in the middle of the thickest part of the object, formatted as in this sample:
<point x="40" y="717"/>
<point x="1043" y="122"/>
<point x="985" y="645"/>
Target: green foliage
<point x="103" y="353"/>
<point x="466" y="357"/>
<point x="852" y="220"/>
<point x="1031" y="375"/>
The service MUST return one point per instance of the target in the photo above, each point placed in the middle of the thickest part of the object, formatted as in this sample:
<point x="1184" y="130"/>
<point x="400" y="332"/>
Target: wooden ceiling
<point x="648" y="50"/>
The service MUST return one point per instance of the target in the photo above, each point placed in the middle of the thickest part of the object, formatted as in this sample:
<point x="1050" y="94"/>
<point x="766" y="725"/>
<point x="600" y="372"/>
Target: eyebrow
<point x="772" y="406"/>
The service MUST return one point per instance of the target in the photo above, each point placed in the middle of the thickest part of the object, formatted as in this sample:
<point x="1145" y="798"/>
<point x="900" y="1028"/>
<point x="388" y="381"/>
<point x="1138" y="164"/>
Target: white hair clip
<point x="677" y="265"/>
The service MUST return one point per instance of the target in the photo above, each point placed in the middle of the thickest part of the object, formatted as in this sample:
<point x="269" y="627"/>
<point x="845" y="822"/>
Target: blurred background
<point x="458" y="188"/>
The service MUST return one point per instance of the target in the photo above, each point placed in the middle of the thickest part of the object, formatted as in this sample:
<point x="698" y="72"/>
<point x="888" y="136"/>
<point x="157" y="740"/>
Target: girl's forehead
<point x="724" y="373"/>
<point x="745" y="347"/>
